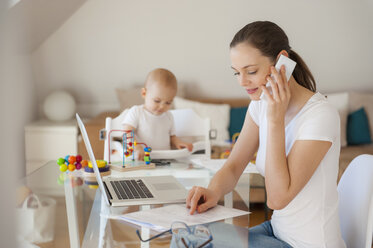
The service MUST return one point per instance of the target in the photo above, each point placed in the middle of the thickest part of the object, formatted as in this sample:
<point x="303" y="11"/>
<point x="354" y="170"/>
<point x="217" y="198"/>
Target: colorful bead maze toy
<point x="128" y="162"/>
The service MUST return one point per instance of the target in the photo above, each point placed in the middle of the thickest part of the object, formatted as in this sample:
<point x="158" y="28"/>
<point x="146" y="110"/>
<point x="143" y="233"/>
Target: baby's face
<point x="158" y="98"/>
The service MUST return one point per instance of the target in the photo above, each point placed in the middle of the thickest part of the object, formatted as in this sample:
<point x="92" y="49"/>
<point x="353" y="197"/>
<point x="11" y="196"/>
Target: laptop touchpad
<point x="165" y="186"/>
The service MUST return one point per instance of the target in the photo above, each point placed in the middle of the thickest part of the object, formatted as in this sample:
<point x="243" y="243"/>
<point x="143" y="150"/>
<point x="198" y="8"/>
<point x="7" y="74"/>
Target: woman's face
<point x="251" y="68"/>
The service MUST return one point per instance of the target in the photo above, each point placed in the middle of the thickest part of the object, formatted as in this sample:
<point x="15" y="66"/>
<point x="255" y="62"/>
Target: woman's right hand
<point x="201" y="199"/>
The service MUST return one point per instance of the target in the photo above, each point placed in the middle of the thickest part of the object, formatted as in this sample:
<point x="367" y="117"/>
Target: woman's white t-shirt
<point x="311" y="218"/>
<point x="154" y="130"/>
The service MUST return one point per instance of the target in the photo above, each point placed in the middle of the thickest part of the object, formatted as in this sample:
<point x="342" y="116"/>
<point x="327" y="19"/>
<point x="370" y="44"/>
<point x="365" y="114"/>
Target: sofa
<point x="227" y="115"/>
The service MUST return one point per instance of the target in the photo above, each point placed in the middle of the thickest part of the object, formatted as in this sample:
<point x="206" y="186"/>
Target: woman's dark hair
<point x="270" y="40"/>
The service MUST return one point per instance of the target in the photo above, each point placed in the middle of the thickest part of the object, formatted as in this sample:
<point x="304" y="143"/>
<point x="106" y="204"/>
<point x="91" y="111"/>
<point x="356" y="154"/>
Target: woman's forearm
<point x="277" y="172"/>
<point x="223" y="181"/>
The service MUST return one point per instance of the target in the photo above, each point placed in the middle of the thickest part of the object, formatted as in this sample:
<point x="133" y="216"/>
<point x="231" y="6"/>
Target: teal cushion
<point x="237" y="118"/>
<point x="358" y="128"/>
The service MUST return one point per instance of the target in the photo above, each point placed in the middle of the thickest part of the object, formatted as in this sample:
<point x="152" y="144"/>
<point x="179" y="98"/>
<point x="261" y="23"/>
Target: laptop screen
<point x="92" y="157"/>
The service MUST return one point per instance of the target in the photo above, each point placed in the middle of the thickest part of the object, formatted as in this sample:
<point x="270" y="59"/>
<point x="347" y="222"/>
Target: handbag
<point x="36" y="218"/>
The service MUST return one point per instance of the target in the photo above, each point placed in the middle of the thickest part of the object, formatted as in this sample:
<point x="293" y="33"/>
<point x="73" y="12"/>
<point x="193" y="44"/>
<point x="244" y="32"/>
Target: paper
<point x="161" y="218"/>
<point x="215" y="164"/>
<point x="178" y="153"/>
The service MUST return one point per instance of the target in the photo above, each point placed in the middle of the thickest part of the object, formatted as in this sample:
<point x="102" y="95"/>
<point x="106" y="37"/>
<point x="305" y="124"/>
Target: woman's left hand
<point x="279" y="100"/>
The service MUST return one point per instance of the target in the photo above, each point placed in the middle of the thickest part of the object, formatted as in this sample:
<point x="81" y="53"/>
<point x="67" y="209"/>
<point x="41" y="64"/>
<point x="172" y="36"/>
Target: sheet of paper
<point x="161" y="218"/>
<point x="215" y="165"/>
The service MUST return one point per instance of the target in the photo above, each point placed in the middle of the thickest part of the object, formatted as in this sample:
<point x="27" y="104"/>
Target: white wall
<point x="110" y="44"/>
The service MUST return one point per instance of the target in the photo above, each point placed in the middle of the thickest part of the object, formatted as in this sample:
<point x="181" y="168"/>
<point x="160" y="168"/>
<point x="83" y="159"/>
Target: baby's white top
<point x="154" y="130"/>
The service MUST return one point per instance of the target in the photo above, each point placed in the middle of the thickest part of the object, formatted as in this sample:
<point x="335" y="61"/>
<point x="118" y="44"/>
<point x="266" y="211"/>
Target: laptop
<point x="122" y="191"/>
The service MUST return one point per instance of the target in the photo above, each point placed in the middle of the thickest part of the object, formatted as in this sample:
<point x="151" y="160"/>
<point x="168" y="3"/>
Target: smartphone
<point x="289" y="68"/>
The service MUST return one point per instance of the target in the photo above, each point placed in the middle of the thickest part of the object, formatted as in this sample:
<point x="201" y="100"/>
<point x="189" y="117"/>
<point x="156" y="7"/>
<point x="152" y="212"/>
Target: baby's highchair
<point x="188" y="126"/>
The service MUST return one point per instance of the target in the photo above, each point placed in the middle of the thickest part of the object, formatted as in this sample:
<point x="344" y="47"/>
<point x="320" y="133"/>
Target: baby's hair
<point x="162" y="77"/>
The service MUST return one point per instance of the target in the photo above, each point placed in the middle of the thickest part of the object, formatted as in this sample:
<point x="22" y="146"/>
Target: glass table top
<point x="81" y="218"/>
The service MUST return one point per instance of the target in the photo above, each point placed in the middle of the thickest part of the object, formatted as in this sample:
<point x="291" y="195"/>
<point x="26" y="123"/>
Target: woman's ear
<point x="282" y="52"/>
<point x="143" y="92"/>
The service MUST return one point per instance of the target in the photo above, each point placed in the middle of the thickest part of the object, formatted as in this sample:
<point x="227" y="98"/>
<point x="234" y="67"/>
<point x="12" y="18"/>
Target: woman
<point x="296" y="133"/>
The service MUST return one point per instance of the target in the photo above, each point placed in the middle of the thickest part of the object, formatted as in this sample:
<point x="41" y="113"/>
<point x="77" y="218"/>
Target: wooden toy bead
<point x="63" y="167"/>
<point x="72" y="159"/>
<point x="78" y="166"/>
<point x="78" y="158"/>
<point x="71" y="167"/>
<point x="60" y="161"/>
<point x="84" y="163"/>
<point x="67" y="158"/>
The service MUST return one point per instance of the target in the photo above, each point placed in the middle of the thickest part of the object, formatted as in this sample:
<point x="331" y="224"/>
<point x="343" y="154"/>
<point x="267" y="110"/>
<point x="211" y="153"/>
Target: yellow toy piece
<point x="100" y="164"/>
<point x="226" y="153"/>
<point x="234" y="138"/>
<point x="253" y="161"/>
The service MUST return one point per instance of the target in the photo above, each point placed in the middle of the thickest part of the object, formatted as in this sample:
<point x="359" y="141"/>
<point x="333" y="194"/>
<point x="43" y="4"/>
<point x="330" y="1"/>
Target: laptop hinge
<point x="107" y="191"/>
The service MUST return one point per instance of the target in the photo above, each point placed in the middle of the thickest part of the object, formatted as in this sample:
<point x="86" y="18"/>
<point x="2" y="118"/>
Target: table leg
<point x="72" y="217"/>
<point x="145" y="232"/>
<point x="104" y="213"/>
<point x="228" y="202"/>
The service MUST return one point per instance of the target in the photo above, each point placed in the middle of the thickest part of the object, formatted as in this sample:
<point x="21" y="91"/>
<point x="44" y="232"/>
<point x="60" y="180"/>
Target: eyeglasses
<point x="186" y="237"/>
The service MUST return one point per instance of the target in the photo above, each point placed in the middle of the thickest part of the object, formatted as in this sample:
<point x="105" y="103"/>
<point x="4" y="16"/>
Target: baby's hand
<point x="140" y="153"/>
<point x="188" y="146"/>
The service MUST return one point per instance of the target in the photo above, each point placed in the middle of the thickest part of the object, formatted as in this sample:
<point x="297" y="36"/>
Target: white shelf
<point x="47" y="140"/>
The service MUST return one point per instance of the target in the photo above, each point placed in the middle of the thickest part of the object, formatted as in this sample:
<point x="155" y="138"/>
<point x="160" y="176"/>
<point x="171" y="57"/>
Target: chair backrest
<point x="356" y="202"/>
<point x="113" y="124"/>
<point x="187" y="124"/>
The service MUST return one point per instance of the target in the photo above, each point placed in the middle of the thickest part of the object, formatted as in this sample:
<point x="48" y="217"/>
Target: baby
<point x="152" y="122"/>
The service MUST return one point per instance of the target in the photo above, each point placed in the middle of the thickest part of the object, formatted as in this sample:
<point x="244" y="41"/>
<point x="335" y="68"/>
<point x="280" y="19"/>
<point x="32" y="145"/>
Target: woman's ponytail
<point x="302" y="73"/>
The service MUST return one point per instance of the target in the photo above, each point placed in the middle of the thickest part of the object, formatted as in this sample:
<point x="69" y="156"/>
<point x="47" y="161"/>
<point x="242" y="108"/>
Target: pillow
<point x="237" y="118"/>
<point x="340" y="101"/>
<point x="217" y="113"/>
<point x="358" y="100"/>
<point x="129" y="97"/>
<point x="358" y="128"/>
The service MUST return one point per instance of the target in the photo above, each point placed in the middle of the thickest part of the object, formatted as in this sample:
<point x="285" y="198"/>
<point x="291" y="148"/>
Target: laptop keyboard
<point x="131" y="189"/>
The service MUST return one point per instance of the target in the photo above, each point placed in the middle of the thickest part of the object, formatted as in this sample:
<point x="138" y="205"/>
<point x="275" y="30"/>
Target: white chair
<point x="188" y="126"/>
<point x="110" y="143"/>
<point x="356" y="202"/>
